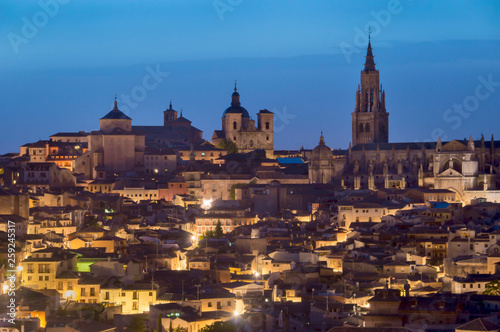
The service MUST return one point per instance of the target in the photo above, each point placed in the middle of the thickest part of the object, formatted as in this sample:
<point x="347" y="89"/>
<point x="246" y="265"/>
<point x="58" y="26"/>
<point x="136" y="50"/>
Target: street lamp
<point x="236" y="315"/>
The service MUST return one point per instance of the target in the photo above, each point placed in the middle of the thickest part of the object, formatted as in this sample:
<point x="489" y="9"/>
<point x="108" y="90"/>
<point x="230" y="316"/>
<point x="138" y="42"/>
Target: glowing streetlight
<point x="206" y="204"/>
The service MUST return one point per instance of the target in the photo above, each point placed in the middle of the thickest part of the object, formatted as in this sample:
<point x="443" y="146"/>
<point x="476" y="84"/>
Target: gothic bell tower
<point x="370" y="120"/>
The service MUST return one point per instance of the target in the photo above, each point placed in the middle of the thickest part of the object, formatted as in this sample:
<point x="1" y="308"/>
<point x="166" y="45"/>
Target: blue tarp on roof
<point x="440" y="205"/>
<point x="294" y="160"/>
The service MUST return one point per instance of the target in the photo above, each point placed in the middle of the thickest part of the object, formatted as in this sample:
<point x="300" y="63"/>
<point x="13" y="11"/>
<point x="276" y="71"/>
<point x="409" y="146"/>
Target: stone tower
<point x="169" y="115"/>
<point x="370" y="120"/>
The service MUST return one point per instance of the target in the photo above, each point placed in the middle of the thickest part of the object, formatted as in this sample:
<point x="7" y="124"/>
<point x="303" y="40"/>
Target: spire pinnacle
<point x="369" y="62"/>
<point x="321" y="139"/>
<point x="235" y="97"/>
<point x="116" y="103"/>
<point x="170" y="105"/>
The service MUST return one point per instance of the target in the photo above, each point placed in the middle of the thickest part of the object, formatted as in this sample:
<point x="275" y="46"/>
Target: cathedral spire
<point x="116" y="104"/>
<point x="321" y="139"/>
<point x="369" y="62"/>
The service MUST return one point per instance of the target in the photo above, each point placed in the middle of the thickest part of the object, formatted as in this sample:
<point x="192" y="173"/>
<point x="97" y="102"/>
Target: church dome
<point x="236" y="110"/>
<point x="322" y="151"/>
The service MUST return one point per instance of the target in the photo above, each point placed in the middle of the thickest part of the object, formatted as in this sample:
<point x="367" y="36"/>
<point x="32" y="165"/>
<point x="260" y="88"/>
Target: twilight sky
<point x="63" y="61"/>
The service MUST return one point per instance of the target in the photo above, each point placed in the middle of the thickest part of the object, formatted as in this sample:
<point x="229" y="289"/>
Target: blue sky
<point x="288" y="56"/>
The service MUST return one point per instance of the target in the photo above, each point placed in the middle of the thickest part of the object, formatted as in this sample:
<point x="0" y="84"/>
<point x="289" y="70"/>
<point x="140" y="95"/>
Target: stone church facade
<point x="239" y="127"/>
<point x="116" y="147"/>
<point x="467" y="167"/>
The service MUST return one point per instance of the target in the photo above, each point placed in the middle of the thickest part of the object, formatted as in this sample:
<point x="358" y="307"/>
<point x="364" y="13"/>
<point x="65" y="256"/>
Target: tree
<point x="137" y="325"/>
<point x="219" y="327"/>
<point x="218" y="230"/>
<point x="206" y="235"/>
<point x="228" y="145"/>
<point x="492" y="288"/>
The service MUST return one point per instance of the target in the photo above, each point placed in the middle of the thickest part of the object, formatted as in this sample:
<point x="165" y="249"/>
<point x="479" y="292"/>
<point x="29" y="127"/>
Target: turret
<point x="439" y="145"/>
<point x="470" y="144"/>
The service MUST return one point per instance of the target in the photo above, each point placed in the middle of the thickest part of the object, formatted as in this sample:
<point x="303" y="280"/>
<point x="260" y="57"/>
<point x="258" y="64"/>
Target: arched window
<point x="367" y="128"/>
<point x="235" y="125"/>
<point x="361" y="127"/>
<point x="267" y="125"/>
